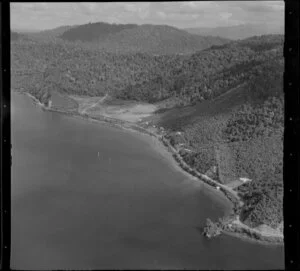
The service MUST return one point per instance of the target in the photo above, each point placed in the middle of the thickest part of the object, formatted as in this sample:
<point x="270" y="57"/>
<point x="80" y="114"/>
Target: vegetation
<point x="94" y="31"/>
<point x="83" y="70"/>
<point x="236" y="32"/>
<point x="156" y="39"/>
<point x="211" y="229"/>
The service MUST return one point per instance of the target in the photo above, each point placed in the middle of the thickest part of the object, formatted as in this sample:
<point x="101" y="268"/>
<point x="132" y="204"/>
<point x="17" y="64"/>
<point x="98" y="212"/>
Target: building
<point x="245" y="180"/>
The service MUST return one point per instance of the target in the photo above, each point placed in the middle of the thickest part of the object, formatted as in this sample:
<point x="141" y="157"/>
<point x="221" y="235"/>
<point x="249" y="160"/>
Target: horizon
<point x="35" y="17"/>
<point x="24" y="30"/>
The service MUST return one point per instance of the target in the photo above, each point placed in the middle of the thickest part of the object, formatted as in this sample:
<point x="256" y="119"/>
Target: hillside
<point x="239" y="135"/>
<point x="94" y="31"/>
<point x="158" y="40"/>
<point x="144" y="77"/>
<point x="124" y="38"/>
<point x="208" y="73"/>
<point x="50" y="33"/>
<point x="236" y="32"/>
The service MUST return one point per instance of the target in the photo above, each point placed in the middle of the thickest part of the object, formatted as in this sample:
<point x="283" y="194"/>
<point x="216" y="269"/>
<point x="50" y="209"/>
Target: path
<point x="95" y="104"/>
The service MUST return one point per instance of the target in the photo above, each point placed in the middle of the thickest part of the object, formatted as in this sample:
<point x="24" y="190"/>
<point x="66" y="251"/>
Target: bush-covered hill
<point x="236" y="32"/>
<point x="158" y="39"/>
<point x="241" y="134"/>
<point x="94" y="31"/>
<point x="124" y="38"/>
<point x="49" y="34"/>
<point x="139" y="76"/>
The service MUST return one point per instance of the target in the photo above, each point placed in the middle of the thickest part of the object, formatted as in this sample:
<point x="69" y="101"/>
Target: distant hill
<point x="57" y="31"/>
<point x="49" y="34"/>
<point x="94" y="31"/>
<point x="15" y="35"/>
<point x="157" y="39"/>
<point x="238" y="32"/>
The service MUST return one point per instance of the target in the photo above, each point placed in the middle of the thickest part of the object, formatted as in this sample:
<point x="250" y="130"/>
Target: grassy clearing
<point x="131" y="111"/>
<point x="61" y="101"/>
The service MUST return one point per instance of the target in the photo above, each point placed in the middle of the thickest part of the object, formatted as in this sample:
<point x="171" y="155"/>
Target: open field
<point x="62" y="101"/>
<point x="103" y="106"/>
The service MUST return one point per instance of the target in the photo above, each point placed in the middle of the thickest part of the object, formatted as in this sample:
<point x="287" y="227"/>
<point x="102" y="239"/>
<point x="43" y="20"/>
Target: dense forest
<point x="243" y="138"/>
<point x="126" y="38"/>
<point x="240" y="31"/>
<point x="227" y="101"/>
<point x="145" y="77"/>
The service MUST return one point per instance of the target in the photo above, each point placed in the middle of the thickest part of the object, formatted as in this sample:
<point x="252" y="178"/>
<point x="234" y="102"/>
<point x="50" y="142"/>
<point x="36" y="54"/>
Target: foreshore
<point x="238" y="230"/>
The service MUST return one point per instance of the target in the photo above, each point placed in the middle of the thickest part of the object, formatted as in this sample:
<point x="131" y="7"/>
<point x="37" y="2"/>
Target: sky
<point x="41" y="16"/>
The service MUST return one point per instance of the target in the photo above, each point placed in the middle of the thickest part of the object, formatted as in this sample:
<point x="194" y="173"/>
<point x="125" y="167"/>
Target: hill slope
<point x="239" y="31"/>
<point x="56" y="32"/>
<point x="157" y="39"/>
<point x="94" y="31"/>
<point x="137" y="76"/>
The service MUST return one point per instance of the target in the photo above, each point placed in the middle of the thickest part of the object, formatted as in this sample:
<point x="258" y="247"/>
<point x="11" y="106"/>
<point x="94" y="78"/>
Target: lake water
<point x="86" y="196"/>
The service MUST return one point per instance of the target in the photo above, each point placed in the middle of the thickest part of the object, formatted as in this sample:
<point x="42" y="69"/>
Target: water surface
<point x="86" y="196"/>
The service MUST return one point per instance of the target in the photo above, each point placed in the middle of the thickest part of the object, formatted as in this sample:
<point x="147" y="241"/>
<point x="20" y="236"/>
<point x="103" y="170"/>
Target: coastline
<point x="270" y="241"/>
<point x="163" y="146"/>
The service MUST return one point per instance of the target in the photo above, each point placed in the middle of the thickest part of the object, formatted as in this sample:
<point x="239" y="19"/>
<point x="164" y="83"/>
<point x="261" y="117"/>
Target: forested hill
<point x="157" y="39"/>
<point x="209" y="73"/>
<point x="139" y="76"/>
<point x="94" y="31"/>
<point x="236" y="32"/>
<point x="50" y="33"/>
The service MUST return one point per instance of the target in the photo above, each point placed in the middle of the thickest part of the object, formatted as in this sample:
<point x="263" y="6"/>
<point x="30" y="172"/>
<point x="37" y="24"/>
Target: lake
<point x="86" y="196"/>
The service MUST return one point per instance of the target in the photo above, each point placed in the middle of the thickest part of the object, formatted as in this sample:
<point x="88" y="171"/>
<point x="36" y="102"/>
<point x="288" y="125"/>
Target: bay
<point x="88" y="196"/>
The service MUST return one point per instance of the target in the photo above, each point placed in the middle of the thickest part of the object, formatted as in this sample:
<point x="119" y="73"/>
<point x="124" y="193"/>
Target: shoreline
<point x="179" y="164"/>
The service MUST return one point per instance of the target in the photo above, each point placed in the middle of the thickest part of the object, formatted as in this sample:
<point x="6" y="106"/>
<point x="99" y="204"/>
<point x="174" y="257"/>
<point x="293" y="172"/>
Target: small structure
<point x="218" y="187"/>
<point x="178" y="133"/>
<point x="245" y="180"/>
